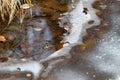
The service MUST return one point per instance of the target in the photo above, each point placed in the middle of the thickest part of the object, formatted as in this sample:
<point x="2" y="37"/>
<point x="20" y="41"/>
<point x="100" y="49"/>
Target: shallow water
<point x="39" y="36"/>
<point x="97" y="58"/>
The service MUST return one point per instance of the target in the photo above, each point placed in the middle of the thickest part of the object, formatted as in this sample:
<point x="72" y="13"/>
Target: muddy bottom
<point x="36" y="37"/>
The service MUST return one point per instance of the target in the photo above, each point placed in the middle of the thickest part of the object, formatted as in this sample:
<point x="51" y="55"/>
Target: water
<point x="94" y="57"/>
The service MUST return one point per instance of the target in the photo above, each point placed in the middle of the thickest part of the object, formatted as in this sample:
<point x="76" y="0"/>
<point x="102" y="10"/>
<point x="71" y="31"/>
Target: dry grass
<point x="9" y="8"/>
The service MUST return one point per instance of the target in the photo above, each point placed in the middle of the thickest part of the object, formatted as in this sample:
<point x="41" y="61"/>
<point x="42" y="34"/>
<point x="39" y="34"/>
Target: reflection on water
<point x="16" y="76"/>
<point x="40" y="36"/>
<point x="38" y="39"/>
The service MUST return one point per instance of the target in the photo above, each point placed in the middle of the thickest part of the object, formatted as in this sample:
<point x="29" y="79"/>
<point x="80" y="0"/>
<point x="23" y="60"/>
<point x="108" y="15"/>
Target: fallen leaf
<point x="38" y="29"/>
<point x="26" y="6"/>
<point x="2" y="38"/>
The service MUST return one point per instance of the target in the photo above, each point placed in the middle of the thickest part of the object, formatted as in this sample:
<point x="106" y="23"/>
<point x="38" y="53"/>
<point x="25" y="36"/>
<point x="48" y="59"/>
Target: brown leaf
<point x="2" y="38"/>
<point x="26" y="6"/>
<point x="38" y="29"/>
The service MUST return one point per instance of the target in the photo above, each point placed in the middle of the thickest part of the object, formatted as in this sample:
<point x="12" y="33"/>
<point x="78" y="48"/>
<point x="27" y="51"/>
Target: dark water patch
<point x="38" y="37"/>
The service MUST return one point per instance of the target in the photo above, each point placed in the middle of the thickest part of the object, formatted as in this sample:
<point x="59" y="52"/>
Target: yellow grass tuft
<point x="9" y="8"/>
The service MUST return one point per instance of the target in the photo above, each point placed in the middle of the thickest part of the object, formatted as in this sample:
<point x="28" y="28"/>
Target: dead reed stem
<point x="9" y="7"/>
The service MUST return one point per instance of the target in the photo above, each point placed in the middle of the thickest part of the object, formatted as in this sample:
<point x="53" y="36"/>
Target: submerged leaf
<point x="2" y="38"/>
<point x="25" y="6"/>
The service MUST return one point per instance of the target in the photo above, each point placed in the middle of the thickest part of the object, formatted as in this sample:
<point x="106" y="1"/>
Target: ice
<point x="68" y="74"/>
<point x="78" y="21"/>
<point x="32" y="66"/>
<point x="106" y="56"/>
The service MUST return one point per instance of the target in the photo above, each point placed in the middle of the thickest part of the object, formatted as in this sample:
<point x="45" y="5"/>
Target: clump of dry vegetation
<point x="11" y="7"/>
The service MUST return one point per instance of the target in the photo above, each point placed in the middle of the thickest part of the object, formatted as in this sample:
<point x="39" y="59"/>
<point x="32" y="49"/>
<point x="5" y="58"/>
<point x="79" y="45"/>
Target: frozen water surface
<point x="100" y="63"/>
<point x="106" y="56"/>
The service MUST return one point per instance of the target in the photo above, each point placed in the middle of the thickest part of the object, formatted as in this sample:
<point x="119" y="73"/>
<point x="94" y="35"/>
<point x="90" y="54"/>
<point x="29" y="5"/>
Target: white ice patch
<point x="31" y="66"/>
<point x="79" y="22"/>
<point x="78" y="18"/>
<point x="106" y="57"/>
